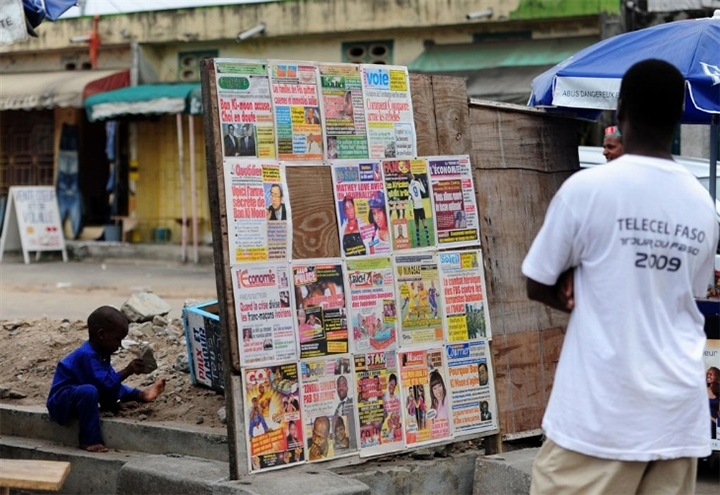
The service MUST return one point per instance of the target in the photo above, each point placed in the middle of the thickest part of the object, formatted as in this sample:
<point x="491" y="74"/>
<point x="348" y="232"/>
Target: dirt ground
<point x="31" y="348"/>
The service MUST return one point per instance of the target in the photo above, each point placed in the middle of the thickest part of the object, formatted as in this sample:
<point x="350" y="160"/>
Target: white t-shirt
<point x="641" y="233"/>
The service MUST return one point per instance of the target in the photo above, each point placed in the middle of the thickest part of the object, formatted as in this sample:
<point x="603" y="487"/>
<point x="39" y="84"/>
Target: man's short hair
<point x="653" y="94"/>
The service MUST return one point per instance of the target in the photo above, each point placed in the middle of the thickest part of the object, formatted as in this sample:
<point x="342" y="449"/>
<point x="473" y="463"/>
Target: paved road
<point x="74" y="289"/>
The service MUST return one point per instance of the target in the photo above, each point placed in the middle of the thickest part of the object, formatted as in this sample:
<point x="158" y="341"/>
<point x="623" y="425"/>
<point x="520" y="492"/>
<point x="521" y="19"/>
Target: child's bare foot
<point x="151" y="393"/>
<point x="98" y="447"/>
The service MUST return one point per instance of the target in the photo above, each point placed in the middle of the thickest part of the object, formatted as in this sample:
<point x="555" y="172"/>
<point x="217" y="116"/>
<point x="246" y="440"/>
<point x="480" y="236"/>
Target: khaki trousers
<point x="558" y="471"/>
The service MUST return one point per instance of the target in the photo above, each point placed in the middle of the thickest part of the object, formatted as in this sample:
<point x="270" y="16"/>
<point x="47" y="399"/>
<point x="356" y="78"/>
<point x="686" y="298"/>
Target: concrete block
<point x="416" y="477"/>
<point x="299" y="481"/>
<point x="144" y="306"/>
<point x="90" y="473"/>
<point x="171" y="475"/>
<point x="505" y="474"/>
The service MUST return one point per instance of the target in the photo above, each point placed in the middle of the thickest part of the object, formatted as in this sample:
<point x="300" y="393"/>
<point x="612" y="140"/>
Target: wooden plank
<point x="424" y="114"/>
<point x="314" y="221"/>
<point x="234" y="400"/>
<point x="519" y="159"/>
<point x="33" y="475"/>
<point x="451" y="115"/>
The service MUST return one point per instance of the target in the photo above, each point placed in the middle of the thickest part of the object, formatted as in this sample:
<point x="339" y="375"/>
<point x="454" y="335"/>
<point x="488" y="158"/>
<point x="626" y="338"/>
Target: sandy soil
<point x="31" y="348"/>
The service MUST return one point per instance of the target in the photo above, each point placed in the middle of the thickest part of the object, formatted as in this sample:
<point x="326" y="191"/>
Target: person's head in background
<point x="612" y="143"/>
<point x="650" y="106"/>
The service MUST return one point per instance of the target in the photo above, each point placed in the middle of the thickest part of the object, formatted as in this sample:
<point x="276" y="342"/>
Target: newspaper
<point x="371" y="304"/>
<point x="320" y="303"/>
<point x="258" y="211"/>
<point x="245" y="107"/>
<point x="343" y="113"/>
<point x="464" y="295"/>
<point x="418" y="288"/>
<point x="471" y="387"/>
<point x="456" y="214"/>
<point x="711" y="358"/>
<point x="409" y="204"/>
<point x="328" y="394"/>
<point x="388" y="111"/>
<point x="297" y="110"/>
<point x="264" y="313"/>
<point x="379" y="405"/>
<point x="425" y="395"/>
<point x="360" y="205"/>
<point x="272" y="416"/>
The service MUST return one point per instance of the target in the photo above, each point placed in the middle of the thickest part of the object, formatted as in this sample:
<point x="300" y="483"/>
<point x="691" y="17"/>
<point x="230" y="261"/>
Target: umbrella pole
<point x="193" y="187"/>
<point x="714" y="129"/>
<point x="183" y="199"/>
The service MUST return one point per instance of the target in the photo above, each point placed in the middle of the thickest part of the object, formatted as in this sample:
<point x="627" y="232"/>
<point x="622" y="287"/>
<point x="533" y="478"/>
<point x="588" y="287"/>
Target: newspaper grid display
<point x="408" y="374"/>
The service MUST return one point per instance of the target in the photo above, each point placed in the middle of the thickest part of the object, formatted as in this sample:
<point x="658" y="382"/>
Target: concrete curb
<point x="122" y="434"/>
<point x="299" y="481"/>
<point x="90" y="473"/>
<point x="163" y="252"/>
<point x="170" y="475"/>
<point x="505" y="474"/>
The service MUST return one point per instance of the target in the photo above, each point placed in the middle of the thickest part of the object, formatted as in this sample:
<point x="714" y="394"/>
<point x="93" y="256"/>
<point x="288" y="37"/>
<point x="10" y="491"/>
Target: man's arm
<point x="559" y="296"/>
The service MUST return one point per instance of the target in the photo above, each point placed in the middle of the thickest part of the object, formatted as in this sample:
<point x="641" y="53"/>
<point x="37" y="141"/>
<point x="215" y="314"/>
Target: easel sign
<point x="32" y="222"/>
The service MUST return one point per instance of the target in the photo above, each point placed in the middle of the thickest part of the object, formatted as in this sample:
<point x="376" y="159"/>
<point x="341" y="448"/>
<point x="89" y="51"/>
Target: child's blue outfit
<point x="83" y="379"/>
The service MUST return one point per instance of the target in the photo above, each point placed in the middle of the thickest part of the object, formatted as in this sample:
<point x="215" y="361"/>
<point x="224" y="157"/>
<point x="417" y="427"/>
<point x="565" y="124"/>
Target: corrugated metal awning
<point x="40" y="90"/>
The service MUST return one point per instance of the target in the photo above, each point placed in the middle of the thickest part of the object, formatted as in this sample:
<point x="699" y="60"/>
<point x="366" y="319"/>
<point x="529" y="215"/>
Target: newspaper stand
<point x="314" y="234"/>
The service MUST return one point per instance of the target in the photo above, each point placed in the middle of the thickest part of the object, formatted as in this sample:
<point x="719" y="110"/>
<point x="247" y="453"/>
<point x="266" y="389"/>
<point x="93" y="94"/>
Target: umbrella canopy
<point x="589" y="82"/>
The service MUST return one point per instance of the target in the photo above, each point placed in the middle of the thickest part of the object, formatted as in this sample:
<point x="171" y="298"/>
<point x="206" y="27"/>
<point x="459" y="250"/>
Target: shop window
<point x="26" y="152"/>
<point x="368" y="52"/>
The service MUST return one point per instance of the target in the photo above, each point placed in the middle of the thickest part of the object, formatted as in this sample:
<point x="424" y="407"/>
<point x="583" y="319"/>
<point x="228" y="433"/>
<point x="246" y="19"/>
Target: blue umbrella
<point x="589" y="82"/>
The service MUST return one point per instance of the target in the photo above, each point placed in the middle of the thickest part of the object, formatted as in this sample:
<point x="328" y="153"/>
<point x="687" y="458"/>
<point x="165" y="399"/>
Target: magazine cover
<point x="263" y="309"/>
<point x="453" y="194"/>
<point x="298" y="129"/>
<point x="360" y="204"/>
<point x="246" y="118"/>
<point x="425" y="396"/>
<point x="258" y="211"/>
<point x="379" y="405"/>
<point x="272" y="416"/>
<point x="409" y="204"/>
<point x="343" y="111"/>
<point x="464" y="295"/>
<point x="417" y="285"/>
<point x="711" y="357"/>
<point x="371" y="304"/>
<point x="388" y="111"/>
<point x="320" y="307"/>
<point x="328" y="401"/>
<point x="471" y="387"/>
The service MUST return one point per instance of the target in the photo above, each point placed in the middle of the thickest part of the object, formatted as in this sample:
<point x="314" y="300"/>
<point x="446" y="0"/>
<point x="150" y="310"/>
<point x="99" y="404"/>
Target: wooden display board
<point x="440" y="118"/>
<point x="32" y="222"/>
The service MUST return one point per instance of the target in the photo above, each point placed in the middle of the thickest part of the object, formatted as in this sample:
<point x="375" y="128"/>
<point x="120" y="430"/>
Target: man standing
<point x="230" y="141"/>
<point x="415" y="191"/>
<point x="624" y="248"/>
